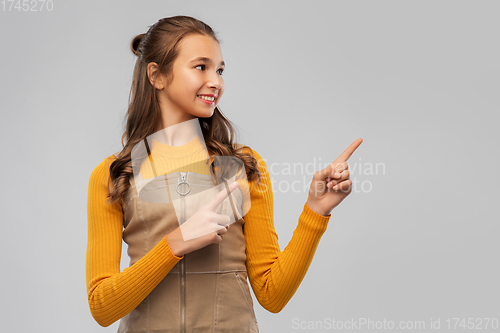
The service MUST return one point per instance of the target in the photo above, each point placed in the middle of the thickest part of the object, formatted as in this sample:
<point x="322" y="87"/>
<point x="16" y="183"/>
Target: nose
<point x="215" y="81"/>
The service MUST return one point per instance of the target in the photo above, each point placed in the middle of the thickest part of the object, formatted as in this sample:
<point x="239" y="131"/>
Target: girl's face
<point x="197" y="71"/>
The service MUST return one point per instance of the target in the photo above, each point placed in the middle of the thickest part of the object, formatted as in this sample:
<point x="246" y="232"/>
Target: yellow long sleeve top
<point x="274" y="275"/>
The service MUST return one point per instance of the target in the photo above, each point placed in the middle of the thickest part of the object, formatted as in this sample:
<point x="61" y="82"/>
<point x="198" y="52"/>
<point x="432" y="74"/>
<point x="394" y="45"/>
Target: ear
<point x="152" y="71"/>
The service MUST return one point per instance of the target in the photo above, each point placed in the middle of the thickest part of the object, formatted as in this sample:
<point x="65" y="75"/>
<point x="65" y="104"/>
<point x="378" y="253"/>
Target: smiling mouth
<point x="207" y="99"/>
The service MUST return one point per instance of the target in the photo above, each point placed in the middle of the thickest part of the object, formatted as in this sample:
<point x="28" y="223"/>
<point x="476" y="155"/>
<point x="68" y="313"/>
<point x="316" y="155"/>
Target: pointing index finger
<point x="221" y="196"/>
<point x="348" y="152"/>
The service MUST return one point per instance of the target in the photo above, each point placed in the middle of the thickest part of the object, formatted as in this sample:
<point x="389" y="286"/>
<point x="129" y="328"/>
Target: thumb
<point x="221" y="196"/>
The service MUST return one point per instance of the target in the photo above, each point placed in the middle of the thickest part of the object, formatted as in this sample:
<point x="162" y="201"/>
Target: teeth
<point x="207" y="98"/>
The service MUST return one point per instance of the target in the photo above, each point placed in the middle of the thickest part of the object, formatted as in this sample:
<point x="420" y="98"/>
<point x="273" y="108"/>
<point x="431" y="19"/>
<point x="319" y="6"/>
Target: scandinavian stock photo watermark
<point x="362" y="323"/>
<point x="305" y="173"/>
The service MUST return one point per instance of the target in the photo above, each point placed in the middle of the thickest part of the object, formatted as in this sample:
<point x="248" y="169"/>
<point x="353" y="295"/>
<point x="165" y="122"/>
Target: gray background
<point x="417" y="80"/>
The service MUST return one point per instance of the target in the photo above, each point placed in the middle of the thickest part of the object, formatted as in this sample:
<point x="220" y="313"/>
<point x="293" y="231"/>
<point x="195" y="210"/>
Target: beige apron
<point x="207" y="290"/>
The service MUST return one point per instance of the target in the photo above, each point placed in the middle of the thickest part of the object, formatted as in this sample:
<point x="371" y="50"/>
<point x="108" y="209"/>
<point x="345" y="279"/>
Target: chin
<point x="205" y="115"/>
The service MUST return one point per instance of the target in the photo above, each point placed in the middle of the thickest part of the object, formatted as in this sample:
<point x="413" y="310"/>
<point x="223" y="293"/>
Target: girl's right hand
<point x="205" y="222"/>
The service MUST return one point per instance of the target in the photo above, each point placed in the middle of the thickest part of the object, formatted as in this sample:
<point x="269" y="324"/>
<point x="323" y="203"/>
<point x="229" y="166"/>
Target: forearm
<point x="276" y="279"/>
<point x="113" y="294"/>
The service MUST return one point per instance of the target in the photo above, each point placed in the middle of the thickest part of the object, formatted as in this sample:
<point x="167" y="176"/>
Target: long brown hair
<point x="160" y="45"/>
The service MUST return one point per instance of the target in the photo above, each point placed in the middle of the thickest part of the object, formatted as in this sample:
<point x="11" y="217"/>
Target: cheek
<point x="192" y="82"/>
<point x="187" y="80"/>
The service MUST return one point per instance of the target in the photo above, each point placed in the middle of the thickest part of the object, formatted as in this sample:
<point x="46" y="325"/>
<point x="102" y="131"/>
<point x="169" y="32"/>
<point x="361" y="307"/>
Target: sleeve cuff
<point x="169" y="250"/>
<point x="313" y="220"/>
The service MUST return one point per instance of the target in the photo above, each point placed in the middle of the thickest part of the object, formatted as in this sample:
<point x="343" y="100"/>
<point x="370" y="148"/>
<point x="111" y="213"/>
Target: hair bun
<point x="134" y="46"/>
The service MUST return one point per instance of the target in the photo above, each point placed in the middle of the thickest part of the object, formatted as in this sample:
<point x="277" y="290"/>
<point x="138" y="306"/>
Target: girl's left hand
<point x="331" y="185"/>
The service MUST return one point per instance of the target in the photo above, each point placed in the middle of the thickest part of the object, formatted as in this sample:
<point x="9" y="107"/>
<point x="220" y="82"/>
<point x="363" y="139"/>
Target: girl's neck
<point x="179" y="134"/>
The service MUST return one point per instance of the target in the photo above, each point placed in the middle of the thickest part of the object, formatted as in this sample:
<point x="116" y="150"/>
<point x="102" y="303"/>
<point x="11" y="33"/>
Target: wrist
<point x="315" y="208"/>
<point x="175" y="246"/>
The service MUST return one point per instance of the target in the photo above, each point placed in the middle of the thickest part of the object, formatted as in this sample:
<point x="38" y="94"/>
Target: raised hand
<point x="203" y="228"/>
<point x="332" y="185"/>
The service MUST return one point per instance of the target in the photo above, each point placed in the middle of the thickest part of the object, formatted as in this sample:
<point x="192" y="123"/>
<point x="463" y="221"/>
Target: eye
<point x="220" y="70"/>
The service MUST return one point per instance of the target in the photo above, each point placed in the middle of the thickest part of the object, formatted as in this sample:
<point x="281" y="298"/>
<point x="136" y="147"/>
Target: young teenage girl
<point x="200" y="284"/>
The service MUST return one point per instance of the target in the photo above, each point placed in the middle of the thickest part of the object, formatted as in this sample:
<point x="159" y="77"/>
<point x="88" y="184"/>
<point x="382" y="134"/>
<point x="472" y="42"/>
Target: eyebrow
<point x="205" y="60"/>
